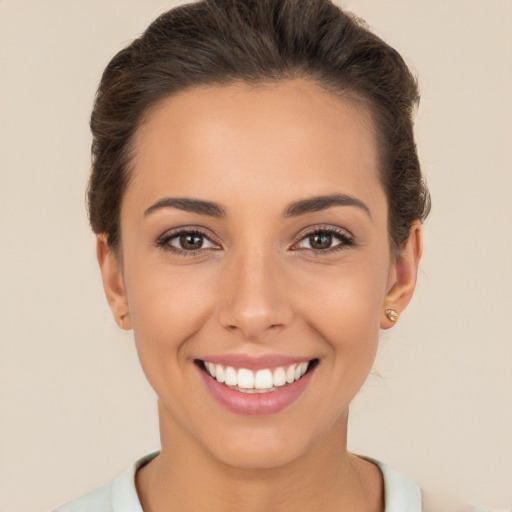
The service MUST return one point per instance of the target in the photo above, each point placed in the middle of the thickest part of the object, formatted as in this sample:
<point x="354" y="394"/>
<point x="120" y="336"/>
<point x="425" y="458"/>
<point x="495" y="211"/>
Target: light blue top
<point x="400" y="493"/>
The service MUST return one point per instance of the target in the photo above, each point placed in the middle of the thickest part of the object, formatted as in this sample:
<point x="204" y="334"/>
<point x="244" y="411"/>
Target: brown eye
<point x="187" y="242"/>
<point x="320" y="241"/>
<point x="191" y="241"/>
<point x="324" y="240"/>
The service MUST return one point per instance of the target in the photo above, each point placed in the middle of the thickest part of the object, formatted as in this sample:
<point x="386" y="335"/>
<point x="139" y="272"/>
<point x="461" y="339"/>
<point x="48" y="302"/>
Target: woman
<point x="257" y="200"/>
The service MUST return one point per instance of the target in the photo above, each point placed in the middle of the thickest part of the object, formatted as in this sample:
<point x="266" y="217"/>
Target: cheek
<point x="167" y="309"/>
<point x="173" y="303"/>
<point x="346" y="300"/>
<point x="346" y="312"/>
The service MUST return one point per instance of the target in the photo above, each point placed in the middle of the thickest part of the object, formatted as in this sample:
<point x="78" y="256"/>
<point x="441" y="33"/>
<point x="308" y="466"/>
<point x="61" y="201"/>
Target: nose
<point x="254" y="299"/>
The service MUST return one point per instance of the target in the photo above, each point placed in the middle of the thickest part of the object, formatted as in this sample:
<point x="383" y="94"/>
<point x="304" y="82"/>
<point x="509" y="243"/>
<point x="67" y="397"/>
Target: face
<point x="255" y="266"/>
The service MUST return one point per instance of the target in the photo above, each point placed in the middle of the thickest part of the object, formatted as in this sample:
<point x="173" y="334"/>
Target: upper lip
<point x="255" y="362"/>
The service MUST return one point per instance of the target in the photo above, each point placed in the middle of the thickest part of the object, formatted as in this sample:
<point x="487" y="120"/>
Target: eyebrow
<point x="295" y="209"/>
<point x="188" y="205"/>
<point x="318" y="203"/>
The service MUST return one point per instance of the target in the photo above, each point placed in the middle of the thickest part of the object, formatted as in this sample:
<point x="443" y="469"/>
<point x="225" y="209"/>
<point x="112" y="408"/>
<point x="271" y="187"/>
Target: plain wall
<point x="75" y="409"/>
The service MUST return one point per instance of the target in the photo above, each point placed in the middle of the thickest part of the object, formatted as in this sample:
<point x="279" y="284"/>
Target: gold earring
<point x="392" y="315"/>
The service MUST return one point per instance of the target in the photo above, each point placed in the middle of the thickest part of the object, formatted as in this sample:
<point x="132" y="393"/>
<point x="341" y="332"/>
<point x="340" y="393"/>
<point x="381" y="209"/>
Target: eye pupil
<point x="191" y="241"/>
<point x="320" y="241"/>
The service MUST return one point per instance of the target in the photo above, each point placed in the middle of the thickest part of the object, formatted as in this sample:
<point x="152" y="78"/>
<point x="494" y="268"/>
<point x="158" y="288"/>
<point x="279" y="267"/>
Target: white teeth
<point x="211" y="369"/>
<point x="290" y="374"/>
<point x="245" y="378"/>
<point x="261" y="381"/>
<point x="231" y="376"/>
<point x="219" y="373"/>
<point x="279" y="378"/>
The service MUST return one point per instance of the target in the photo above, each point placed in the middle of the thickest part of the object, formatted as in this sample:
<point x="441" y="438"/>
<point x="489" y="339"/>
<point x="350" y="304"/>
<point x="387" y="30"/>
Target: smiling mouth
<point x="265" y="380"/>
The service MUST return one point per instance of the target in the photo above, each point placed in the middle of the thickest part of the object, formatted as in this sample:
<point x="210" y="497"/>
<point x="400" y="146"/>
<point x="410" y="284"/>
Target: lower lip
<point x="256" y="404"/>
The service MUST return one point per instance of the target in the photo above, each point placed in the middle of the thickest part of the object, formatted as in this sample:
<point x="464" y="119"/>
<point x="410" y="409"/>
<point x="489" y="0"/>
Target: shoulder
<point x="119" y="496"/>
<point x="401" y="494"/>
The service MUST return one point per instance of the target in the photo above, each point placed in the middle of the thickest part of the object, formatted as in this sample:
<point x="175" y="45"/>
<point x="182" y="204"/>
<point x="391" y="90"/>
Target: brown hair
<point x="256" y="41"/>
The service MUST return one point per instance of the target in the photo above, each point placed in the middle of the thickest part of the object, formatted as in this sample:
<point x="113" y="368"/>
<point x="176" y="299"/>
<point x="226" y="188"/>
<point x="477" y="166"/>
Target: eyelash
<point x="345" y="239"/>
<point x="164" y="241"/>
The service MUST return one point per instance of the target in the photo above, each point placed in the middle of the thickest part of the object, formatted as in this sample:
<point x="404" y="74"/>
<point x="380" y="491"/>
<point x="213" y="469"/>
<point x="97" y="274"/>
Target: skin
<point x="257" y="287"/>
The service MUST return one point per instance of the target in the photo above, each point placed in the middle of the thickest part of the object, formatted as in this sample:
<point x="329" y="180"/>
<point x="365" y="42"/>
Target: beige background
<point x="74" y="407"/>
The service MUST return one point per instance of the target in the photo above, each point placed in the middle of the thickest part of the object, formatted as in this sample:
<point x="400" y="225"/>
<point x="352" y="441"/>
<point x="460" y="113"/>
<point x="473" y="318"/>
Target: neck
<point x="186" y="477"/>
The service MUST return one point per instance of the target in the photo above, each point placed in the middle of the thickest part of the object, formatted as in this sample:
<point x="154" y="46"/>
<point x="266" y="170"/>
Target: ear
<point x="113" y="282"/>
<point x="402" y="276"/>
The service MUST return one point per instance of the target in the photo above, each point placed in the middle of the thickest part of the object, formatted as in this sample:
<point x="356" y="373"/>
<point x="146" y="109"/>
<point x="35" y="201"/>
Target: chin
<point x="264" y="449"/>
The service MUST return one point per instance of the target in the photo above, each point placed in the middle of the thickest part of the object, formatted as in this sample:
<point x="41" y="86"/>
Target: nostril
<point x="253" y="323"/>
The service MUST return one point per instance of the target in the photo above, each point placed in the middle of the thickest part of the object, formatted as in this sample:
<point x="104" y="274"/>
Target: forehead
<point x="289" y="137"/>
